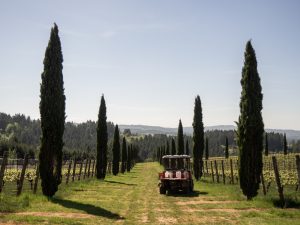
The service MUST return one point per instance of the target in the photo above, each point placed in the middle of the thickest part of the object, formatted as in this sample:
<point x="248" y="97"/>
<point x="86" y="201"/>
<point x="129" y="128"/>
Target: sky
<point x="151" y="58"/>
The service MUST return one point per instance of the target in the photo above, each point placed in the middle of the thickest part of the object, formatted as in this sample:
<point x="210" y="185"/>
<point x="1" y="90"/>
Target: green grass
<point x="133" y="198"/>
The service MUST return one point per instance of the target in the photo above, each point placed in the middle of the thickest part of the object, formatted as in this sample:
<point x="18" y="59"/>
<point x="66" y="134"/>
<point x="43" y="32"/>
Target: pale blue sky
<point x="151" y="58"/>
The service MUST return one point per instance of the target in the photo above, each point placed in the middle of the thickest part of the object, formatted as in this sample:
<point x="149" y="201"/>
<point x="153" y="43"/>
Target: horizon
<point x="151" y="59"/>
<point x="149" y="125"/>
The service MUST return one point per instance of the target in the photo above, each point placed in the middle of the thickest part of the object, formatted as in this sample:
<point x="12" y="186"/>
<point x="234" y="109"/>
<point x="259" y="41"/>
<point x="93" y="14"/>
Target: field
<point x="133" y="198"/>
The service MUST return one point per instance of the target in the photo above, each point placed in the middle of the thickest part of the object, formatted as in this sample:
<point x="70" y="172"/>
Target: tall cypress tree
<point x="226" y="148"/>
<point x="285" y="148"/>
<point x="250" y="128"/>
<point x="206" y="149"/>
<point x="198" y="139"/>
<point x="173" y="150"/>
<point x="116" y="151"/>
<point x="266" y="145"/>
<point x="124" y="156"/>
<point x="167" y="148"/>
<point x="180" y="140"/>
<point x="187" y="147"/>
<point x="129" y="155"/>
<point x="102" y="139"/>
<point x="52" y="110"/>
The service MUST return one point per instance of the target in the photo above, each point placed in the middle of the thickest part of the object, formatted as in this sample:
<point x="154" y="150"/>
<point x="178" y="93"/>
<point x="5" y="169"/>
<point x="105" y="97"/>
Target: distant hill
<point x="144" y="129"/>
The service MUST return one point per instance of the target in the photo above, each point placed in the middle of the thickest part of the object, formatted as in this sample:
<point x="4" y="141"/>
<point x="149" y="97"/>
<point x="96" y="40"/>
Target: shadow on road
<point x="88" y="208"/>
<point x="182" y="194"/>
<point x="117" y="182"/>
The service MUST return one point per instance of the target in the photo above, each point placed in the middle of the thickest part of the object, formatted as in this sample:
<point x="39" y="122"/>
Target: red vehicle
<point x="177" y="175"/>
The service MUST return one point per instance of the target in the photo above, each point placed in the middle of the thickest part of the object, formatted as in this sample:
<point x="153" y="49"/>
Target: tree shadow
<point x="288" y="203"/>
<point x="183" y="194"/>
<point x="117" y="182"/>
<point x="88" y="208"/>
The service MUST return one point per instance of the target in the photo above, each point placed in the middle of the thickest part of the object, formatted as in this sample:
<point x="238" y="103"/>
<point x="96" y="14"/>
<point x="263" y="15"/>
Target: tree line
<point x="20" y="134"/>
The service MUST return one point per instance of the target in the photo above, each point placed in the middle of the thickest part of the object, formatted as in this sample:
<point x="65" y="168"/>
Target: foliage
<point x="180" y="140"/>
<point x="266" y="145"/>
<point x="129" y="156"/>
<point x="285" y="148"/>
<point x="187" y="147"/>
<point x="116" y="151"/>
<point x="124" y="156"/>
<point x="250" y="126"/>
<point x="226" y="148"/>
<point x="206" y="149"/>
<point x="198" y="139"/>
<point x="81" y="139"/>
<point x="167" y="148"/>
<point x="102" y="139"/>
<point x="173" y="147"/>
<point x="52" y="110"/>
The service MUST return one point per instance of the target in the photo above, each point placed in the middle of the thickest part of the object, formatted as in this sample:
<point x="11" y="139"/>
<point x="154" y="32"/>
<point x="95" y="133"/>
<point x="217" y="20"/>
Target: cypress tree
<point x="226" y="148"/>
<point x="250" y="127"/>
<point x="198" y="139"/>
<point x="187" y="147"/>
<point x="167" y="148"/>
<point x="163" y="150"/>
<point x="116" y="151"/>
<point x="102" y="139"/>
<point x="285" y="148"/>
<point x="173" y="149"/>
<point x="124" y="156"/>
<point x="129" y="154"/>
<point x="266" y="145"/>
<point x="206" y="149"/>
<point x="180" y="140"/>
<point x="52" y="110"/>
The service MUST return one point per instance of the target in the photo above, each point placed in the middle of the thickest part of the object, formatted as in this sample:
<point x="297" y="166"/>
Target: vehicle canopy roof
<point x="176" y="157"/>
<point x="175" y="162"/>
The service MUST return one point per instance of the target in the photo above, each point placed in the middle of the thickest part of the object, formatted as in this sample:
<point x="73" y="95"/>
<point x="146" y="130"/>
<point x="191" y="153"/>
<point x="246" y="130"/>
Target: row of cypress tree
<point x="127" y="157"/>
<point x="52" y="109"/>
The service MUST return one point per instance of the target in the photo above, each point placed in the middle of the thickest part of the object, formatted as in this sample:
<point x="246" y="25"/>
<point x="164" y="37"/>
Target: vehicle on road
<point x="177" y="174"/>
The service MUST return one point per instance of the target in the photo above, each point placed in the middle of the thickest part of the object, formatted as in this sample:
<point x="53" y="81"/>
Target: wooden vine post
<point x="80" y="169"/>
<point x="203" y="169"/>
<point x="231" y="172"/>
<point x="89" y="168"/>
<point x="109" y="168"/>
<point x="277" y="178"/>
<point x="2" y="169"/>
<point x="263" y="182"/>
<point x="36" y="179"/>
<point x="212" y="171"/>
<point x="85" y="168"/>
<point x="217" y="172"/>
<point x="93" y="168"/>
<point x="21" y="181"/>
<point x="298" y="170"/>
<point x="206" y="167"/>
<point x="223" y="173"/>
<point x="69" y="170"/>
<point x="74" y="170"/>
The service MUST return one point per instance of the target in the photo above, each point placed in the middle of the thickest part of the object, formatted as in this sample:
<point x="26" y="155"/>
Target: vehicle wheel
<point x="187" y="190"/>
<point x="162" y="190"/>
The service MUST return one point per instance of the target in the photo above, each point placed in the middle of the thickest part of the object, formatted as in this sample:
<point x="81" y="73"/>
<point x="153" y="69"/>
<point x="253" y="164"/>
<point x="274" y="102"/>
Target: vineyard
<point x="287" y="167"/>
<point x="71" y="171"/>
